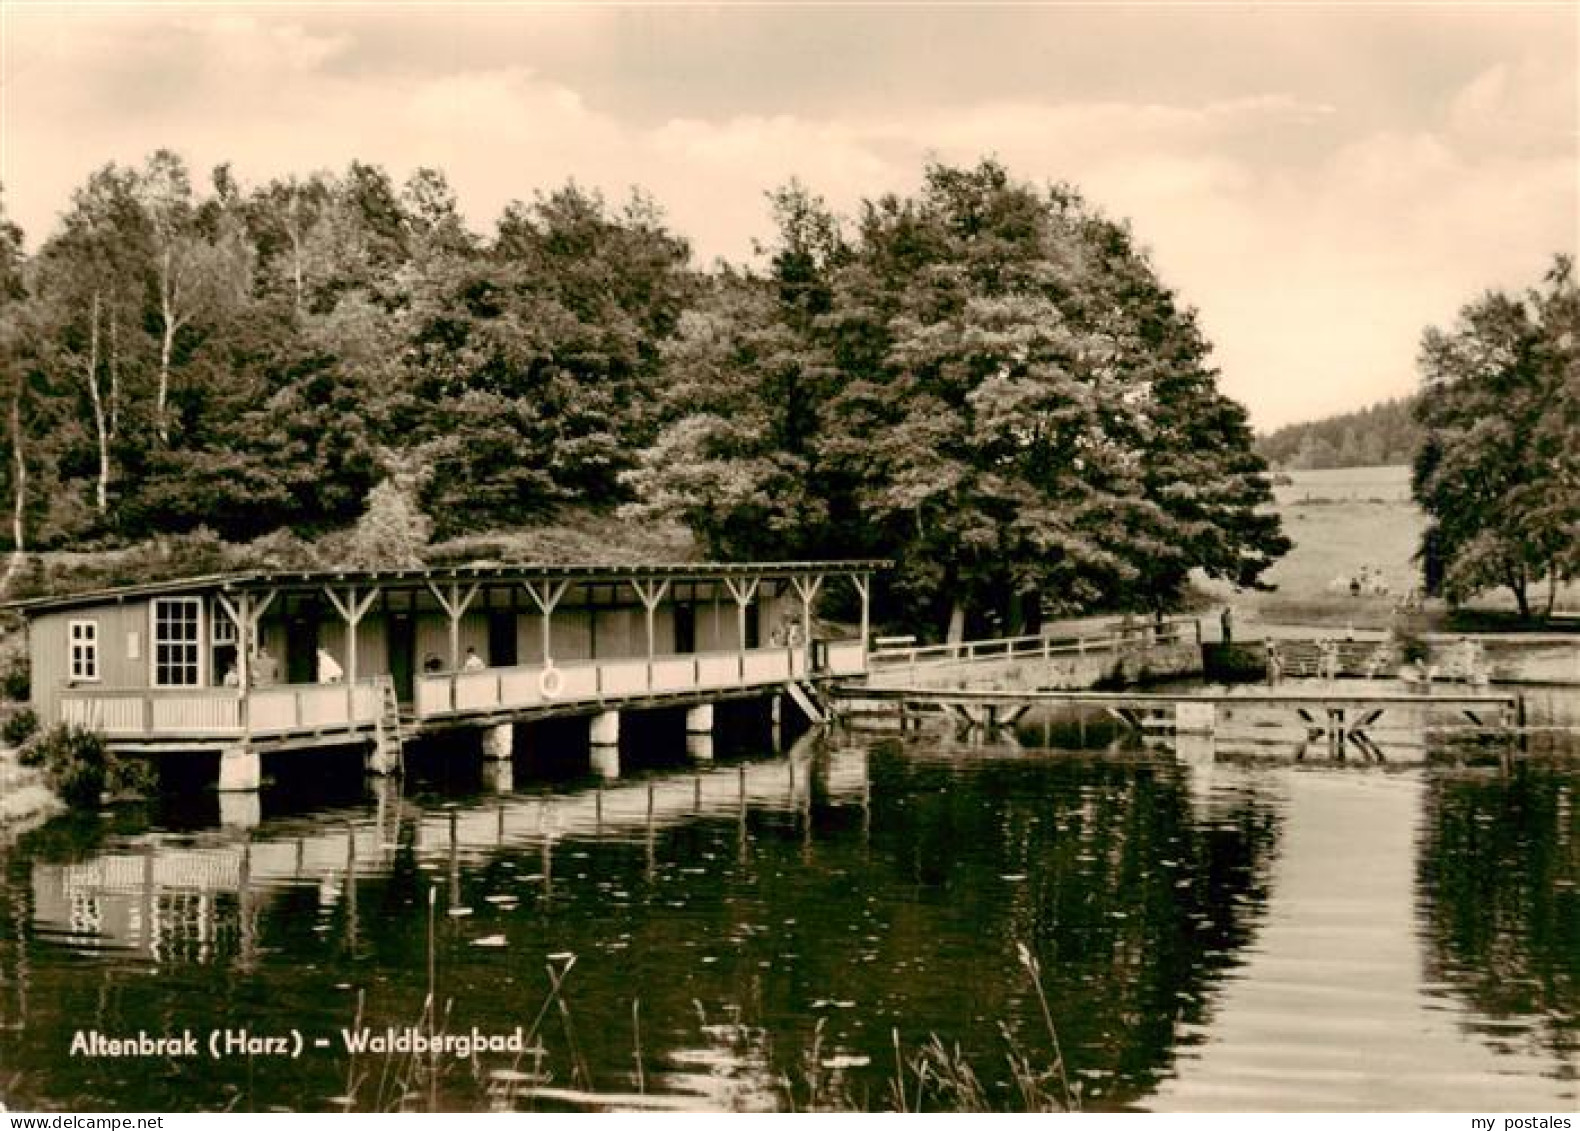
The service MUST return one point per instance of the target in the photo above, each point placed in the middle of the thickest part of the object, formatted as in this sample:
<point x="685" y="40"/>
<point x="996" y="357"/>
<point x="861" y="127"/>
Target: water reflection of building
<point x="199" y="903"/>
<point x="106" y="904"/>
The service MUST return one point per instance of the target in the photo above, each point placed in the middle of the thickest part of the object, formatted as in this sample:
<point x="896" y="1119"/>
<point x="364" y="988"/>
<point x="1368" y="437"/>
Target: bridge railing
<point x="1043" y="646"/>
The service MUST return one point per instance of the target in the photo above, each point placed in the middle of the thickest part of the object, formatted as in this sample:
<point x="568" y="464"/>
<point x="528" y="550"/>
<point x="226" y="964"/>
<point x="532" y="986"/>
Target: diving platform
<point x="1341" y="717"/>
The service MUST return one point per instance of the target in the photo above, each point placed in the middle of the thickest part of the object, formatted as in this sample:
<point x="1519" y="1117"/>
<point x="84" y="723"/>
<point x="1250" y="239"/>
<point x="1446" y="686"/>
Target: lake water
<point x="1215" y="928"/>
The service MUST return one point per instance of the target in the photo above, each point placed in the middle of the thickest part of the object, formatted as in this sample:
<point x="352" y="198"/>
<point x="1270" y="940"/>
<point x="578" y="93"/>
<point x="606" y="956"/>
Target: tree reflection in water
<point x="1500" y="884"/>
<point x="893" y="899"/>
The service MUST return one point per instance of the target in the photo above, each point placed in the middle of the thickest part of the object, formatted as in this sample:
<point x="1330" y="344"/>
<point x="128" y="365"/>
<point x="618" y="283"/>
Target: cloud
<point x="1318" y="230"/>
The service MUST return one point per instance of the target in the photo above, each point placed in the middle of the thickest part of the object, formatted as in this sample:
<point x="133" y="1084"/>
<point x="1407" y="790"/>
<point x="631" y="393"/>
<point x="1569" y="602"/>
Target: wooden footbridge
<point x="1340" y="717"/>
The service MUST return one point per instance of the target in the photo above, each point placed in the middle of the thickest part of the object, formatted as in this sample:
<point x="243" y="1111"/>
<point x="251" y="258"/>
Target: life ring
<point x="551" y="681"/>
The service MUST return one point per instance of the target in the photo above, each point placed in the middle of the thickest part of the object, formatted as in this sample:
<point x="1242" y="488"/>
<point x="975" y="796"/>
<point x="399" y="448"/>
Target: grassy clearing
<point x="1343" y="521"/>
<point x="1340" y="521"/>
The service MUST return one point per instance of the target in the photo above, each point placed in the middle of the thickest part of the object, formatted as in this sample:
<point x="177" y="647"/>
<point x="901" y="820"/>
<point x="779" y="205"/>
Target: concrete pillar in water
<point x="499" y="776"/>
<point x="606" y="762"/>
<point x="776" y="731"/>
<point x="240" y="810"/>
<point x="604" y="735"/>
<point x="699" y="719"/>
<point x="604" y="729"/>
<point x="499" y="742"/>
<point x="699" y="747"/>
<point x="699" y="732"/>
<point x="240" y="769"/>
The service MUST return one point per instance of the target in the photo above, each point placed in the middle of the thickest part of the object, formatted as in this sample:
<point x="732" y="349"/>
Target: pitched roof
<point x="417" y="578"/>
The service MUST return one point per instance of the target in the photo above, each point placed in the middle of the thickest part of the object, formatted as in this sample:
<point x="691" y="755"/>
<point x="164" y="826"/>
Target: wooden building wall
<point x="123" y="651"/>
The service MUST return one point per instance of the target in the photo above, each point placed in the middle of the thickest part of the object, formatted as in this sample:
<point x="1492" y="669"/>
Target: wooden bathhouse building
<point x="249" y="662"/>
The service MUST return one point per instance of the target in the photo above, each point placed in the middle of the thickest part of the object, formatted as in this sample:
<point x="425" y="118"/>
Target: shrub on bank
<point x="80" y="766"/>
<point x="16" y="677"/>
<point x="20" y="727"/>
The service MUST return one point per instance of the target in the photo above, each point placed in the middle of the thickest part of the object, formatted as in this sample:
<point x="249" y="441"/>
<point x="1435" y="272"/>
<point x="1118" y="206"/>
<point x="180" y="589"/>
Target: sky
<point x="1321" y="182"/>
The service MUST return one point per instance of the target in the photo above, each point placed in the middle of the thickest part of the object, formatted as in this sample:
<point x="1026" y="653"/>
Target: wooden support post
<point x="650" y="593"/>
<point x="243" y="664"/>
<point x="807" y="592"/>
<point x="863" y="584"/>
<point x="255" y="617"/>
<point x="455" y="603"/>
<point x="352" y="609"/>
<point x="743" y="595"/>
<point x="239" y="616"/>
<point x="546" y="600"/>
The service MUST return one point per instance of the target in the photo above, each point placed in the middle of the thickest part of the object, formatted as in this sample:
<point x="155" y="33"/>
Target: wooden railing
<point x="998" y="649"/>
<point x="844" y="657"/>
<point x="222" y="712"/>
<point x="532" y="686"/>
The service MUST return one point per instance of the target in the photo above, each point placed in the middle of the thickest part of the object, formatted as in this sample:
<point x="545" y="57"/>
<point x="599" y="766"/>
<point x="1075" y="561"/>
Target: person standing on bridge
<point x="329" y="669"/>
<point x="1226" y="623"/>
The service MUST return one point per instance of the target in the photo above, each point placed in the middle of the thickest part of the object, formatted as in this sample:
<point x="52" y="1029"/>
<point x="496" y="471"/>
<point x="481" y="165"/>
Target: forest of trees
<point x="985" y="382"/>
<point x="1383" y="434"/>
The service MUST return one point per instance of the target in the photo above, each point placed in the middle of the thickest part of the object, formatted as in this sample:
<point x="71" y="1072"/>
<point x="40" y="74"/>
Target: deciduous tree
<point x="1499" y="473"/>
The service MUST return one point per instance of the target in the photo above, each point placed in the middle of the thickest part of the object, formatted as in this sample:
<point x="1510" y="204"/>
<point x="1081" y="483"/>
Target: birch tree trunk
<point x="115" y="378"/>
<point x="295" y="231"/>
<point x="100" y="423"/>
<point x="18" y="493"/>
<point x="169" y="301"/>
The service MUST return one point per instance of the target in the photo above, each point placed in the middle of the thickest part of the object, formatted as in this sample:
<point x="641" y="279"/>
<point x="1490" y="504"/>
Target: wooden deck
<point x="298" y="715"/>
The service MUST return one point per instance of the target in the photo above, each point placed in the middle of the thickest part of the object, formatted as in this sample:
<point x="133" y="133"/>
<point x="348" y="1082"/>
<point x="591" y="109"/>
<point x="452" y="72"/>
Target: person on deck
<point x="265" y="671"/>
<point x="1226" y="623"/>
<point x="329" y="671"/>
<point x="473" y="662"/>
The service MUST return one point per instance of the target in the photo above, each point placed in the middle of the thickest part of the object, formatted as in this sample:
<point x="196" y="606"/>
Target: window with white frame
<point x="177" y="641"/>
<point x="84" y="636"/>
